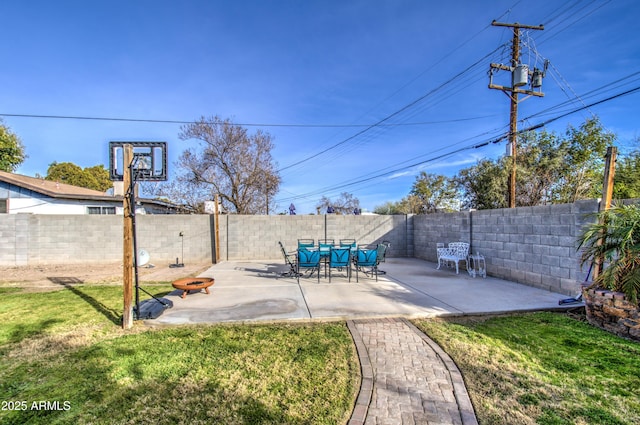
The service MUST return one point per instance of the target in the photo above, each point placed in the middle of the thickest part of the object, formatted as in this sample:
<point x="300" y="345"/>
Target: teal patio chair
<point x="305" y="243"/>
<point x="382" y="254"/>
<point x="290" y="260"/>
<point x="366" y="258"/>
<point x="350" y="243"/>
<point x="325" y="245"/>
<point x="340" y="258"/>
<point x="310" y="260"/>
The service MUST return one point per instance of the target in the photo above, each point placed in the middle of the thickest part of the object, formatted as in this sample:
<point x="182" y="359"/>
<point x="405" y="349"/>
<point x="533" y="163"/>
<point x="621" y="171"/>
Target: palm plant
<point x="615" y="240"/>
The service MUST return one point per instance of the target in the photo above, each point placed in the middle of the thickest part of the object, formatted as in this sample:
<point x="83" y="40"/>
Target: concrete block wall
<point x="29" y="239"/>
<point x="58" y="239"/>
<point x="12" y="252"/>
<point x="160" y="236"/>
<point x="535" y="246"/>
<point x="431" y="229"/>
<point x="531" y="245"/>
<point x="244" y="237"/>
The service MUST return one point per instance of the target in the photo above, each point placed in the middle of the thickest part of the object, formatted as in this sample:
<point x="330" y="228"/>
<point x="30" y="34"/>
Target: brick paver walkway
<point x="406" y="377"/>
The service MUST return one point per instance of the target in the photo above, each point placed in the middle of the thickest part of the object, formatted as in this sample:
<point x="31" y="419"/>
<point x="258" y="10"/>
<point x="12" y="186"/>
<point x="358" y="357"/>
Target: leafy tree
<point x="550" y="169"/>
<point x="12" y="152"/>
<point x="345" y="204"/>
<point x="389" y="208"/>
<point x="584" y="162"/>
<point x="541" y="164"/>
<point x="410" y="204"/>
<point x="433" y="193"/>
<point x="484" y="185"/>
<point x="230" y="162"/>
<point x="96" y="177"/>
<point x="627" y="177"/>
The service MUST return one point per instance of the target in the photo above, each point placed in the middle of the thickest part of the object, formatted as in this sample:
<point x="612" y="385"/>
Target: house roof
<point x="66" y="191"/>
<point x="54" y="189"/>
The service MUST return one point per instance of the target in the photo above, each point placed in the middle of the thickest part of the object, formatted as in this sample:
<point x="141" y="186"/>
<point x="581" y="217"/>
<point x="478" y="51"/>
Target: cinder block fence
<point x="532" y="245"/>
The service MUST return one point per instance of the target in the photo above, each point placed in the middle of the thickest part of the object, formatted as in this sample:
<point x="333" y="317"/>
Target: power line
<point x="155" y="121"/>
<point x="433" y="65"/>
<point x="70" y="117"/>
<point x="544" y="123"/>
<point x="388" y="117"/>
<point x="589" y="94"/>
<point x="470" y="147"/>
<point x="574" y="19"/>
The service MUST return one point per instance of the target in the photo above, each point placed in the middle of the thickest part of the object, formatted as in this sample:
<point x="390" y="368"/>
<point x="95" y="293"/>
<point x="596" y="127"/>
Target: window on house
<point x="3" y="206"/>
<point x="101" y="210"/>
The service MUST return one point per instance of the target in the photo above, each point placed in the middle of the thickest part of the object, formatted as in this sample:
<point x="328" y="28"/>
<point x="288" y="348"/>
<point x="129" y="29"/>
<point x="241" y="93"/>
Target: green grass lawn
<point x="542" y="368"/>
<point x="67" y="347"/>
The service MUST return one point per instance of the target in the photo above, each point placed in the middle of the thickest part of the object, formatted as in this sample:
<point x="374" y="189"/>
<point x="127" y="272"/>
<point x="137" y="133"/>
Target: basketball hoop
<point x="149" y="161"/>
<point x="132" y="162"/>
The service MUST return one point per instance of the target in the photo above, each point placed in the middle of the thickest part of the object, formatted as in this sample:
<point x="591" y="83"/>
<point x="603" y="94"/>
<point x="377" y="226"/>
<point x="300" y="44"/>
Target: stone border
<point x="611" y="311"/>
<point x="359" y="414"/>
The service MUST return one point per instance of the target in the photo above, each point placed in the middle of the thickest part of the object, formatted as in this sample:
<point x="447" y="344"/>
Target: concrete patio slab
<point x="469" y="295"/>
<point x="255" y="291"/>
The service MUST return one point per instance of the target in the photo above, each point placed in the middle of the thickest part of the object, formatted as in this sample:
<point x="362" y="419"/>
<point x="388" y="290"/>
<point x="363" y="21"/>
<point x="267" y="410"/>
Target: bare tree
<point x="345" y="204"/>
<point x="230" y="162"/>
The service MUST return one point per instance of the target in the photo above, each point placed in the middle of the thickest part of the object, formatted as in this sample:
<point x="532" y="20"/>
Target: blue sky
<point x="331" y="69"/>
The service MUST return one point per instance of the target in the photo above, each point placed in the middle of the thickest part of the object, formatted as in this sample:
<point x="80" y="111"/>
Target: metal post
<point x="216" y="213"/>
<point x="135" y="241"/>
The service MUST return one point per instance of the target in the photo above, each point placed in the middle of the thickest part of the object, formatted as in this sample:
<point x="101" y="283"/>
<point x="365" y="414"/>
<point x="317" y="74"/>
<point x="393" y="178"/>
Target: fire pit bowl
<point x="187" y="284"/>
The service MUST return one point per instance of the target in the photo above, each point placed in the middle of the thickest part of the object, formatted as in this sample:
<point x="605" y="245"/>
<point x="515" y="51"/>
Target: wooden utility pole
<point x="609" y="174"/>
<point x="513" y="95"/>
<point x="607" y="196"/>
<point x="127" y="248"/>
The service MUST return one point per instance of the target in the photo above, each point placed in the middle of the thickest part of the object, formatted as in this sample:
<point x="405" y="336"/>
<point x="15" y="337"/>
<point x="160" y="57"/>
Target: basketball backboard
<point x="149" y="161"/>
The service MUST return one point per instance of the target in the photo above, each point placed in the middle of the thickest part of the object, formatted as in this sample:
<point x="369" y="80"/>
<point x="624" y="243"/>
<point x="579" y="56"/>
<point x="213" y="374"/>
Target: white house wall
<point x="55" y="206"/>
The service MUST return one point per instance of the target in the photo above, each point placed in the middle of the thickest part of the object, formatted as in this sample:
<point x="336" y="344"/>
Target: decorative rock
<point x="612" y="312"/>
<point x="631" y="324"/>
<point x="623" y="303"/>
<point x="616" y="312"/>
